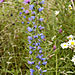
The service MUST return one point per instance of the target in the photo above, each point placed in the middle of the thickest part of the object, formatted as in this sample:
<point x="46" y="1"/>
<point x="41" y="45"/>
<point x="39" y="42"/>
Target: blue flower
<point x="31" y="59"/>
<point x="42" y="55"/>
<point x="33" y="17"/>
<point x="29" y="41"/>
<point x="39" y="63"/>
<point x="22" y="8"/>
<point x="30" y="52"/>
<point x="24" y="16"/>
<point x="20" y="13"/>
<point x="29" y="19"/>
<point x="42" y="2"/>
<point x="26" y="11"/>
<point x="43" y="59"/>
<point x="40" y="51"/>
<point x="31" y="7"/>
<point x="33" y="12"/>
<point x="34" y="48"/>
<point x="36" y="36"/>
<point x="39" y="56"/>
<point x="37" y="44"/>
<point x="33" y="44"/>
<point x="28" y="22"/>
<point x="26" y="32"/>
<point x="29" y="29"/>
<point x="35" y="26"/>
<point x="40" y="9"/>
<point x="33" y="22"/>
<point x="41" y="28"/>
<point x="29" y="62"/>
<point x="30" y="38"/>
<point x="41" y="19"/>
<point x="44" y="63"/>
<point x="38" y="67"/>
<point x="39" y="40"/>
<point x="22" y="22"/>
<point x="44" y="71"/>
<point x="31" y="71"/>
<point x="30" y="47"/>
<point x="42" y="36"/>
<point x="38" y="48"/>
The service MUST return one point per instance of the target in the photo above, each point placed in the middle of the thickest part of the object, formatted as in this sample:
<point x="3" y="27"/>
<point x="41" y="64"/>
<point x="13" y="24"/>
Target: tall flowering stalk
<point x="36" y="60"/>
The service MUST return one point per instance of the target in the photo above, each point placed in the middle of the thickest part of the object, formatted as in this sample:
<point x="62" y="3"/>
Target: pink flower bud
<point x="60" y="30"/>
<point x="54" y="47"/>
<point x="1" y="1"/>
<point x="26" y="1"/>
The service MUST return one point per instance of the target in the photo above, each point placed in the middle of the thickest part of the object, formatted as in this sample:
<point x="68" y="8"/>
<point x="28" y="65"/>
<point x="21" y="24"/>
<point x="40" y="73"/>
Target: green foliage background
<point x="13" y="38"/>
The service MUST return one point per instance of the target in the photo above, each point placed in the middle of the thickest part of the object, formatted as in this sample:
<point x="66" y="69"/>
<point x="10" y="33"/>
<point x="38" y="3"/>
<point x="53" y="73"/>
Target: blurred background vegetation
<point x="13" y="38"/>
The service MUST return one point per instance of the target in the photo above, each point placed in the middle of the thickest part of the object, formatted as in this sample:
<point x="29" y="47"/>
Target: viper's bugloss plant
<point x="37" y="60"/>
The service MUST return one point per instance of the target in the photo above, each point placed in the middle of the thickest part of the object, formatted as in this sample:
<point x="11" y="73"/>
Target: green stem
<point x="56" y="65"/>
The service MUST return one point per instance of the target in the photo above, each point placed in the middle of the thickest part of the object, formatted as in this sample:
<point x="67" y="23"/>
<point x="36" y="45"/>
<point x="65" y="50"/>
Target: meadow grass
<point x="14" y="52"/>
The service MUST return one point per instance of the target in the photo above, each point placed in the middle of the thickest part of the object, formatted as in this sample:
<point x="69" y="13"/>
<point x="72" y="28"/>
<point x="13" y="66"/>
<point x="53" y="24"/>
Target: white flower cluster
<point x="70" y="44"/>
